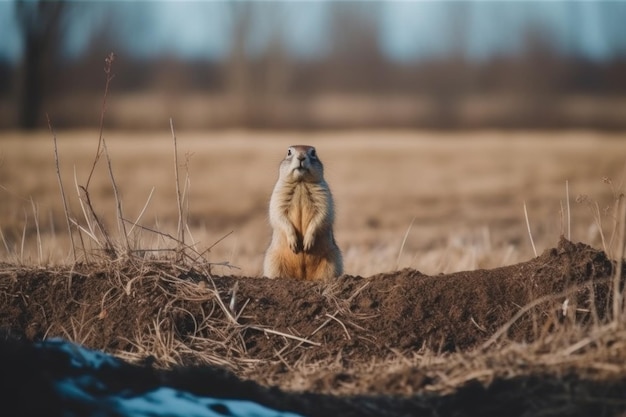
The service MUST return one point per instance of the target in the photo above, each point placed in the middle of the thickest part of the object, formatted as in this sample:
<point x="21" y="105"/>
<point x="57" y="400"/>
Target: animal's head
<point x="302" y="164"/>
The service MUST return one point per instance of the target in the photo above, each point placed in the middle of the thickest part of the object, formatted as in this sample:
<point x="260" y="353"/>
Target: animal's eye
<point x="313" y="154"/>
<point x="289" y="152"/>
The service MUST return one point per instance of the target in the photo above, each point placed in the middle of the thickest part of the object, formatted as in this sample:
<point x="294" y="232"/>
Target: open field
<point x="401" y="333"/>
<point x="458" y="198"/>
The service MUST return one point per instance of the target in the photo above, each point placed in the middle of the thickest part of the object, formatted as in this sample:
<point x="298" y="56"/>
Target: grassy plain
<point x="436" y="202"/>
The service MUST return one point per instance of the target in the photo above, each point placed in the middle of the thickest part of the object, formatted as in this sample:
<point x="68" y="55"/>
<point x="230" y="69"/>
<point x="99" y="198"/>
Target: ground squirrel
<point x="302" y="214"/>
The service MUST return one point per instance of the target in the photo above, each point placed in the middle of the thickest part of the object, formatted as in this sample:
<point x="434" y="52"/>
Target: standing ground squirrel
<point x="302" y="215"/>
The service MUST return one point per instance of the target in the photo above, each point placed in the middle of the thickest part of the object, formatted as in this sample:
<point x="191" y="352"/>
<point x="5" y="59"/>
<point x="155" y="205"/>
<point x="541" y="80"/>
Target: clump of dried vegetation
<point x="593" y="349"/>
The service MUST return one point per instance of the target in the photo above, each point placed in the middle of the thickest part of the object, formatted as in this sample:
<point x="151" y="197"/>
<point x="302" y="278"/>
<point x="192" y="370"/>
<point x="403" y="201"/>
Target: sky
<point x="407" y="30"/>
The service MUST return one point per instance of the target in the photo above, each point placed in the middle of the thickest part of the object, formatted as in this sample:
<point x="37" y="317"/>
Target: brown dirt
<point x="351" y="321"/>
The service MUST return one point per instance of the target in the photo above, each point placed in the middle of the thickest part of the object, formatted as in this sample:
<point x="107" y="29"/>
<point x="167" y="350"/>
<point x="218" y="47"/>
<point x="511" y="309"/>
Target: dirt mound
<point x="356" y="317"/>
<point x="354" y="334"/>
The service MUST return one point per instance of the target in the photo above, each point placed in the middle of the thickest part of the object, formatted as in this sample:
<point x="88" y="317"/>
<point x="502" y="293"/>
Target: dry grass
<point x="431" y="201"/>
<point x="436" y="202"/>
<point x="599" y="355"/>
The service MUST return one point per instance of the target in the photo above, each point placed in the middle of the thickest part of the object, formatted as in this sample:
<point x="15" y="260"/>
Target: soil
<point x="279" y="324"/>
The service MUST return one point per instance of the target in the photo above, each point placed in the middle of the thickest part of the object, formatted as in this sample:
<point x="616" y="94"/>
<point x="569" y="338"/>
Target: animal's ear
<point x="289" y="152"/>
<point x="313" y="153"/>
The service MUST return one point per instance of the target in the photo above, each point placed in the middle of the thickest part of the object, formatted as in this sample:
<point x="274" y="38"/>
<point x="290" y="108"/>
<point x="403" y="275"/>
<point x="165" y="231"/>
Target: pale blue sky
<point x="408" y="30"/>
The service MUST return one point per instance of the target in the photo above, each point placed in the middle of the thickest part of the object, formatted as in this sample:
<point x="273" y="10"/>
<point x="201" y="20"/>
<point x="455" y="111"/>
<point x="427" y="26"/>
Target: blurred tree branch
<point x="39" y="23"/>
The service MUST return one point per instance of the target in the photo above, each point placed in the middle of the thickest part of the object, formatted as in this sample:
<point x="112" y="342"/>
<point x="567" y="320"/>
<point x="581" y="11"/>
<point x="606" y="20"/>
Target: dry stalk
<point x="406" y="235"/>
<point x="23" y="237"/>
<point x="283" y="334"/>
<point x="4" y="242"/>
<point x="120" y="214"/>
<point x="108" y="246"/>
<point x="91" y="233"/>
<point x="569" y="215"/>
<point x="36" y="220"/>
<point x="185" y="248"/>
<point x="528" y="307"/>
<point x="65" y="208"/>
<point x="618" y="294"/>
<point x="108" y="64"/>
<point x="180" y="229"/>
<point x="598" y="219"/>
<point x="532" y="242"/>
<point x="343" y="326"/>
<point x="80" y="330"/>
<point x="616" y="214"/>
<point x="140" y="213"/>
<point x="186" y="196"/>
<point x="596" y="334"/>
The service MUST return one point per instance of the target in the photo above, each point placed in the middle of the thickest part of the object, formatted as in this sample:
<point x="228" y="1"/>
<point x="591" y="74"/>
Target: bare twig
<point x="108" y="64"/>
<point x="109" y="248"/>
<point x="65" y="208"/>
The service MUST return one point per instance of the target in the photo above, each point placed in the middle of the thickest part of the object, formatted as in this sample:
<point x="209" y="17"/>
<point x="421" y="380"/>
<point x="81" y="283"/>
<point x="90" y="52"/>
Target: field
<point x="455" y="200"/>
<point x="445" y="307"/>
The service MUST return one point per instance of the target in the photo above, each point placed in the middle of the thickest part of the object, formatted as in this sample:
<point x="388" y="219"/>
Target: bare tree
<point x="356" y="60"/>
<point x="237" y="68"/>
<point x="39" y="23"/>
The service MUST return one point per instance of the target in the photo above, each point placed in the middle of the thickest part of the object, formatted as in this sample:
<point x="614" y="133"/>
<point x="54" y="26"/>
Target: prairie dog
<point x="302" y="213"/>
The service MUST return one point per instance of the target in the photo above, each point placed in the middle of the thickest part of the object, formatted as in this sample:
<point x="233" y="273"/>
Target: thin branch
<point x="109" y="248"/>
<point x="82" y="204"/>
<point x="65" y="208"/>
<point x="108" y="63"/>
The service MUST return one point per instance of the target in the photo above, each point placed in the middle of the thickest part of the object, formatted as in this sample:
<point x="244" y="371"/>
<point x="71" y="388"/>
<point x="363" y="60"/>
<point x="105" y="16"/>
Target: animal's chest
<point x="302" y="207"/>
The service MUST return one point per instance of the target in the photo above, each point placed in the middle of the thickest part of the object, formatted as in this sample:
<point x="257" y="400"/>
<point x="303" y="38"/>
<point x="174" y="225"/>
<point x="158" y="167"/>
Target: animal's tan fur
<point x="302" y="214"/>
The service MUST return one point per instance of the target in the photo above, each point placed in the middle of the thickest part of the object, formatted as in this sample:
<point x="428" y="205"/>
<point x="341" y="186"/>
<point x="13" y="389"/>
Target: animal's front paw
<point x="292" y="241"/>
<point x="309" y="241"/>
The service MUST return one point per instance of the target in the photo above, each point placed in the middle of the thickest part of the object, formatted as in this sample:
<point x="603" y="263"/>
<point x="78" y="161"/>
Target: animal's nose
<point x="301" y="157"/>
